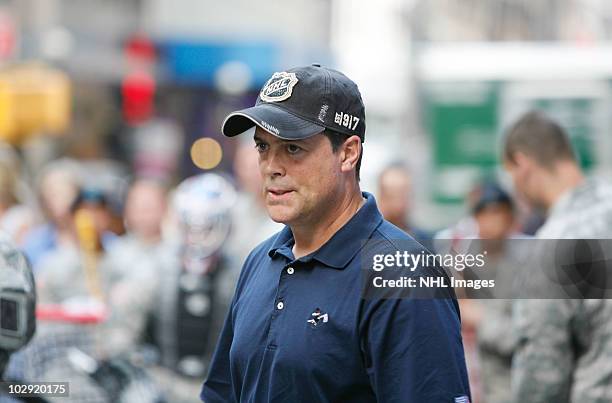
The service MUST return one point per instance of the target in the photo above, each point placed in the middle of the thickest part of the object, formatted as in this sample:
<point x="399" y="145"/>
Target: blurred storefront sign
<point x="199" y="62"/>
<point x="34" y="99"/>
<point x="482" y="89"/>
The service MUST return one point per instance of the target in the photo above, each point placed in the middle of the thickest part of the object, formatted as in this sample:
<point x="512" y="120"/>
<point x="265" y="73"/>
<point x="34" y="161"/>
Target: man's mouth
<point x="275" y="193"/>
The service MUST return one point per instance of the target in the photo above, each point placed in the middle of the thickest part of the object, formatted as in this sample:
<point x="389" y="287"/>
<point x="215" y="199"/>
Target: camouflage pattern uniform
<point x="564" y="347"/>
<point x="496" y="341"/>
<point x="495" y="346"/>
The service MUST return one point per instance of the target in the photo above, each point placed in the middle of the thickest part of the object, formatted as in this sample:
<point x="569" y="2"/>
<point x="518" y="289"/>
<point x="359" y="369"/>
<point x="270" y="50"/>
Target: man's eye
<point x="261" y="147"/>
<point x="293" y="149"/>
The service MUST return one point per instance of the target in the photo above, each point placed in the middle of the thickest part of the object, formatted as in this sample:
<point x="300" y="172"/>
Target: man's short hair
<point x="337" y="139"/>
<point x="539" y="137"/>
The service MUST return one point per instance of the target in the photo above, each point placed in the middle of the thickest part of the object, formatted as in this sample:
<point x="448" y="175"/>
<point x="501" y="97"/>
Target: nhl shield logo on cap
<point x="279" y="87"/>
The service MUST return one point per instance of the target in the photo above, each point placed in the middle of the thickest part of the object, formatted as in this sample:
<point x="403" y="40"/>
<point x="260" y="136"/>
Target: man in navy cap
<point x="300" y="328"/>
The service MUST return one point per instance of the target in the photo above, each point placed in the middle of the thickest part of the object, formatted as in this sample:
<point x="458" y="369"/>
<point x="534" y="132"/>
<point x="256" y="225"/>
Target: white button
<point x="290" y="270"/>
<point x="280" y="305"/>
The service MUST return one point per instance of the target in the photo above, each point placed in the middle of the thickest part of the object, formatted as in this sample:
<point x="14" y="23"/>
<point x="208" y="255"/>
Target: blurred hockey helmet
<point x="202" y="205"/>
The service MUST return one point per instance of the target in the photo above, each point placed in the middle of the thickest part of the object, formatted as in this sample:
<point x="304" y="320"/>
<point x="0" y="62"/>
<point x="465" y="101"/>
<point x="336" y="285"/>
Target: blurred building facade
<point x="512" y="20"/>
<point x="478" y="65"/>
<point x="440" y="78"/>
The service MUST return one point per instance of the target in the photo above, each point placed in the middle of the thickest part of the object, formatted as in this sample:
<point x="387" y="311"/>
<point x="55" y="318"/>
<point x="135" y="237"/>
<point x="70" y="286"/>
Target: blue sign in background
<point x="197" y="62"/>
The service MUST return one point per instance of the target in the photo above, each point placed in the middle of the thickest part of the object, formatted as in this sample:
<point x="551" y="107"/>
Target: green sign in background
<point x="463" y="120"/>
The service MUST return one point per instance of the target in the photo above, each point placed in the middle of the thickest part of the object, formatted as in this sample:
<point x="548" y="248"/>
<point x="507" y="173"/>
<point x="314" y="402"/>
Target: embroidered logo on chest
<point x="317" y="318"/>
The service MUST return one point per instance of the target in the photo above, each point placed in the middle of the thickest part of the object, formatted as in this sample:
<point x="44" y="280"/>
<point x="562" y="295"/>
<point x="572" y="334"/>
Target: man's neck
<point x="310" y="238"/>
<point x="566" y="178"/>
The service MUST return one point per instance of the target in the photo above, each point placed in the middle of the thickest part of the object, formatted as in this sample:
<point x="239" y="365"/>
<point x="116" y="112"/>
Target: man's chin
<point x="280" y="214"/>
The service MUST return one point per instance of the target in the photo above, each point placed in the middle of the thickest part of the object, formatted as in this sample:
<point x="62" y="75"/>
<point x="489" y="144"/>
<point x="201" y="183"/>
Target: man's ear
<point x="522" y="161"/>
<point x="351" y="150"/>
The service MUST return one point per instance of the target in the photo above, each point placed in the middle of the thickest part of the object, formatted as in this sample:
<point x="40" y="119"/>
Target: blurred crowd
<point x="130" y="266"/>
<point x="533" y="348"/>
<point x="134" y="275"/>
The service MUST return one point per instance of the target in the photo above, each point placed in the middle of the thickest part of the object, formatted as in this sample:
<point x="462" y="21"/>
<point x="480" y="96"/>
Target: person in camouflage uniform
<point x="564" y="346"/>
<point x="495" y="215"/>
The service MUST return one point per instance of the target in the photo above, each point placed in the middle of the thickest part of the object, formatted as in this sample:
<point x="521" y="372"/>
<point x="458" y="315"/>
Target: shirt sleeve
<point x="542" y="364"/>
<point x="218" y="384"/>
<point x="413" y="350"/>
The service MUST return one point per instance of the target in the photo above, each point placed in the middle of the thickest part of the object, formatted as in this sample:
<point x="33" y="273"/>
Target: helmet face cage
<point x="17" y="299"/>
<point x="202" y="204"/>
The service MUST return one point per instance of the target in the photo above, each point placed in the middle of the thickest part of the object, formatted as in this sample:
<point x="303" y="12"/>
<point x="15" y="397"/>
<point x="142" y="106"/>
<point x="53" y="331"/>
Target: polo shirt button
<point x="280" y="305"/>
<point x="290" y="270"/>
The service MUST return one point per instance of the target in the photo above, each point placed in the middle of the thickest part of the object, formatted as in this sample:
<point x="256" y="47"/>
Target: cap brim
<point x="272" y="119"/>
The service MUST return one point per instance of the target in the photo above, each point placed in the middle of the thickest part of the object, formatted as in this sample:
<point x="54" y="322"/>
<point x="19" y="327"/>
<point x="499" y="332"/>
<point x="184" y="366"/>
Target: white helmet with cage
<point x="202" y="205"/>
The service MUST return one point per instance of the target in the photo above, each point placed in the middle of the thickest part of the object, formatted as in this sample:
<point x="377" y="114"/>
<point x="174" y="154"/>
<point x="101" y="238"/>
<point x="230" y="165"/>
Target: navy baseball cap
<point x="491" y="193"/>
<point x="301" y="102"/>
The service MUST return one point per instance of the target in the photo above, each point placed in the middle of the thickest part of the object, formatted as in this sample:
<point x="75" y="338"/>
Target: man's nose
<point x="272" y="164"/>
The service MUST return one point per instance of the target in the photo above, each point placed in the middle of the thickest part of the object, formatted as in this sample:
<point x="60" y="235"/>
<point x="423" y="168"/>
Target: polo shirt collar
<point x="343" y="245"/>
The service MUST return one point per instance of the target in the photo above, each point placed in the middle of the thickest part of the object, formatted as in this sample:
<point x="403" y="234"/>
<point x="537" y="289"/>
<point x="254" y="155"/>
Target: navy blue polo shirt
<point x="300" y="330"/>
